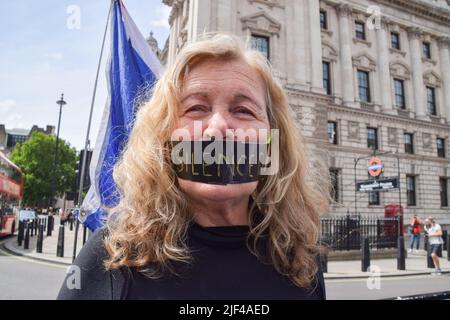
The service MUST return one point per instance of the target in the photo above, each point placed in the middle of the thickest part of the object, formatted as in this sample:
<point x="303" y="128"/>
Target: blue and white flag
<point x="132" y="68"/>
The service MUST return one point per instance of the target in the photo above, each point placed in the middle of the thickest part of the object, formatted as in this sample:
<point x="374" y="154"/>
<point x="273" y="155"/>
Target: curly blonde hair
<point x="152" y="219"/>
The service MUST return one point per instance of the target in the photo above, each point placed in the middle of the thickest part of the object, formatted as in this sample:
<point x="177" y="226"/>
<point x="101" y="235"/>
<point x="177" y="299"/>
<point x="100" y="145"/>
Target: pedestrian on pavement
<point x="415" y="233"/>
<point x="435" y="242"/>
<point x="211" y="234"/>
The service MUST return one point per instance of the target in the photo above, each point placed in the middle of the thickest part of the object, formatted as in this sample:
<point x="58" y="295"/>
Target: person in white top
<point x="435" y="241"/>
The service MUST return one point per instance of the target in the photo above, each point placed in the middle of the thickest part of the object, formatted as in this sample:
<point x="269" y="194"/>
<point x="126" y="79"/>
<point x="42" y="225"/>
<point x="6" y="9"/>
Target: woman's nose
<point x="218" y="126"/>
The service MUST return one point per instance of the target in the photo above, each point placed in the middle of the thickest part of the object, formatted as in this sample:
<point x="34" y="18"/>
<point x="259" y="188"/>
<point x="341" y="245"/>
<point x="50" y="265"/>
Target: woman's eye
<point x="244" y="111"/>
<point x="196" y="108"/>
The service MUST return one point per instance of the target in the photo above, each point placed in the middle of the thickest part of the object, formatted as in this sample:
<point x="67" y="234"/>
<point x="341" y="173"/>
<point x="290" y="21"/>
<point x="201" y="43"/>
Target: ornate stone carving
<point x="427" y="141"/>
<point x="400" y="70"/>
<point x="392" y="136"/>
<point x="261" y="23"/>
<point x="329" y="51"/>
<point x="344" y="9"/>
<point x="353" y="130"/>
<point x="431" y="79"/>
<point x="414" y="32"/>
<point x="444" y="42"/>
<point x="364" y="60"/>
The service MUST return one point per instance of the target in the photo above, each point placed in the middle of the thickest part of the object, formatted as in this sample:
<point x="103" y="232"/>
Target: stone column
<point x="296" y="44"/>
<point x="444" y="57"/>
<point x="315" y="46"/>
<point x="414" y="35"/>
<point x="348" y="94"/>
<point x="384" y="73"/>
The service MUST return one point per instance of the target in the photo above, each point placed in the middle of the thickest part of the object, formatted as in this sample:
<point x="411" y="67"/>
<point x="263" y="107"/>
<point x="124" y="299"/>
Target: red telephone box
<point x="394" y="210"/>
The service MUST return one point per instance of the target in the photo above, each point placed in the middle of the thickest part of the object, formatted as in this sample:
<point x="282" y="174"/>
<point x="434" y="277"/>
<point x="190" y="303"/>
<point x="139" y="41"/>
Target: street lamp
<point x="61" y="103"/>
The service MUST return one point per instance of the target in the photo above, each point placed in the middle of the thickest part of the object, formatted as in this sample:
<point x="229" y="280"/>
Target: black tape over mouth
<point x="242" y="164"/>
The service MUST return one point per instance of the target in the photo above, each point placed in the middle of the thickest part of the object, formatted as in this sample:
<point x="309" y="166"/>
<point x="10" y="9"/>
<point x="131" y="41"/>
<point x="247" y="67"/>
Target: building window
<point x="411" y="190"/>
<point x="372" y="138"/>
<point x="326" y="77"/>
<point x="261" y="44"/>
<point x="374" y="196"/>
<point x="431" y="101"/>
<point x="443" y="183"/>
<point x="363" y="86"/>
<point x="360" y="29"/>
<point x="440" y="147"/>
<point x="395" y="40"/>
<point x="399" y="94"/>
<point x="426" y="48"/>
<point x="409" y="143"/>
<point x="332" y="132"/>
<point x="323" y="20"/>
<point x="335" y="192"/>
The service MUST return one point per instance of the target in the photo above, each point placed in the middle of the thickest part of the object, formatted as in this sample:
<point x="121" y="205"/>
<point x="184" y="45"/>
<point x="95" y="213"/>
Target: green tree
<point x="35" y="157"/>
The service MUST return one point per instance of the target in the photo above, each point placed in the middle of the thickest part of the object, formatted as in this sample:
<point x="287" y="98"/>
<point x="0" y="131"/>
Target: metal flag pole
<point x="83" y="166"/>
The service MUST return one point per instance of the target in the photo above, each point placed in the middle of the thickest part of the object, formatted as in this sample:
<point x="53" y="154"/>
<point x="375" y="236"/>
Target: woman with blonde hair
<point x="187" y="228"/>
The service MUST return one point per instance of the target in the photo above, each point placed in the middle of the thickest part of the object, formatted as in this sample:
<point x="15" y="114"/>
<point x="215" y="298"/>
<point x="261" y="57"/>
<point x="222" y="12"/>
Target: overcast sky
<point x="43" y="53"/>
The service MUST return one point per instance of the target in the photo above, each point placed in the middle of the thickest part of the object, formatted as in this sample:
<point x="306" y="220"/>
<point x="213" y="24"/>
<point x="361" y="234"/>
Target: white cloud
<point x="11" y="120"/>
<point x="55" y="56"/>
<point x="163" y="20"/>
<point x="7" y="105"/>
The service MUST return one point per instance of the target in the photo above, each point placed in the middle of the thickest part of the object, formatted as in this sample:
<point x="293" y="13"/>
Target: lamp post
<point x="61" y="103"/>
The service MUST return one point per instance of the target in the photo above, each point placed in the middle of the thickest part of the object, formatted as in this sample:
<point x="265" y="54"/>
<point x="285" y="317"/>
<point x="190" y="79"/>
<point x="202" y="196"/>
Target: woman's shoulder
<point x="87" y="278"/>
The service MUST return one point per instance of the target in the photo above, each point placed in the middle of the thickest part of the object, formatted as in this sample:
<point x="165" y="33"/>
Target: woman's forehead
<point x="217" y="75"/>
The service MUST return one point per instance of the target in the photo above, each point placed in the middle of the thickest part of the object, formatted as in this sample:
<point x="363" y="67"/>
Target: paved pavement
<point x="49" y="245"/>
<point x="416" y="263"/>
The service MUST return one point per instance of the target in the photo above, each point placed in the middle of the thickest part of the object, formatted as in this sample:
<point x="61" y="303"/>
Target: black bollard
<point x="60" y="247"/>
<point x="439" y="251"/>
<point x="84" y="234"/>
<point x="71" y="224"/>
<point x="36" y="225"/>
<point x="26" y="244"/>
<point x="430" y="263"/>
<point x="448" y="247"/>
<point x="49" y="227"/>
<point x="45" y="223"/>
<point x="425" y="242"/>
<point x="401" y="254"/>
<point x="21" y="233"/>
<point x="40" y="238"/>
<point x="444" y="237"/>
<point x="365" y="254"/>
<point x="324" y="262"/>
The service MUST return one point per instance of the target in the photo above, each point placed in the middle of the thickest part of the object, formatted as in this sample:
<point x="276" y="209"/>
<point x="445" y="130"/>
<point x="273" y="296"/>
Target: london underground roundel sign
<point x="375" y="167"/>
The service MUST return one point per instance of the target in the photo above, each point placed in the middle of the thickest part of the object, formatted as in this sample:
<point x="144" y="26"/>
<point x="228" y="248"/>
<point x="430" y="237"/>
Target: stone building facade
<point x="360" y="75"/>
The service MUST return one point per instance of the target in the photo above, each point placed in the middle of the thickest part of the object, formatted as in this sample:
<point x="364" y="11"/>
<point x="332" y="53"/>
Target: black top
<point x="223" y="268"/>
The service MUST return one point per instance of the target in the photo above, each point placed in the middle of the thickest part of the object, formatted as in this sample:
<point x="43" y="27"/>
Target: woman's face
<point x="221" y="95"/>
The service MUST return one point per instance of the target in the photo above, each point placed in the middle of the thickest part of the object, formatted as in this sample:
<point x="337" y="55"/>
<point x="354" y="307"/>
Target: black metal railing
<point x="346" y="232"/>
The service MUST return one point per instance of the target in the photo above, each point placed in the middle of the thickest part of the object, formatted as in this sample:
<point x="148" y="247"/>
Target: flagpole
<point x="86" y="144"/>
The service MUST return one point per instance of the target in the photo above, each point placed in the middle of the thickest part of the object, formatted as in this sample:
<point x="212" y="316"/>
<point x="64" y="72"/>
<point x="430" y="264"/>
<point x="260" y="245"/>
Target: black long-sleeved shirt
<point x="223" y="269"/>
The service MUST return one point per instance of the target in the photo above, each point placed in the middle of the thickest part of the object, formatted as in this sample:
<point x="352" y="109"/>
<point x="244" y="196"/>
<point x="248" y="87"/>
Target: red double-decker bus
<point x="11" y="193"/>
